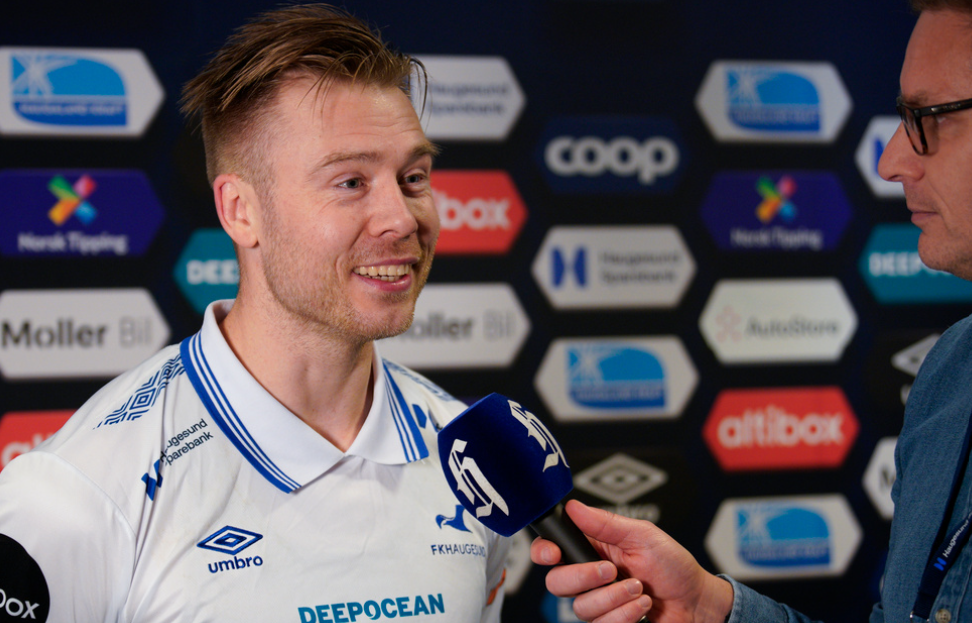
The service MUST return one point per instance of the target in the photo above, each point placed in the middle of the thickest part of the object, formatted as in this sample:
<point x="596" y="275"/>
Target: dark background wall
<point x="571" y="57"/>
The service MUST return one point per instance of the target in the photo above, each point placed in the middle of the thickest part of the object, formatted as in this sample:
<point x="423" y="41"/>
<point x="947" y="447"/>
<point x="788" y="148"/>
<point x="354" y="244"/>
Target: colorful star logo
<point x="776" y="199"/>
<point x="72" y="200"/>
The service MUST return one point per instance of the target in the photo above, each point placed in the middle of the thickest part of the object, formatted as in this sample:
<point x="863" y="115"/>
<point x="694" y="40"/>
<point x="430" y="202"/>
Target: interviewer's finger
<point x="614" y="603"/>
<point x="570" y="580"/>
<point x="544" y="552"/>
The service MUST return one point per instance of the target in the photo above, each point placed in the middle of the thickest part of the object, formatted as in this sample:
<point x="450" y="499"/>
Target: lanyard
<point x="947" y="544"/>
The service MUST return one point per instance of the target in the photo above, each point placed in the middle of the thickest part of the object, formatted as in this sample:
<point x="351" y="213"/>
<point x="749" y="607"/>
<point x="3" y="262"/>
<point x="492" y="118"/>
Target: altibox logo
<point x="895" y="274"/>
<point x="613" y="267"/>
<point x="207" y="269"/>
<point x="21" y="432"/>
<point x="776" y="211"/>
<point x="78" y="213"/>
<point x="784" y="428"/>
<point x="616" y="378"/>
<point x="876" y="137"/>
<point x="469" y="98"/>
<point x="773" y="101"/>
<point x="763" y="321"/>
<point x="612" y="155"/>
<point x="461" y="326"/>
<point x="480" y="212"/>
<point x="51" y="334"/>
<point x="76" y="92"/>
<point x="776" y="538"/>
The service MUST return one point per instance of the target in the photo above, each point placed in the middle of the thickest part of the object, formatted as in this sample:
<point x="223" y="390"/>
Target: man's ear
<point x="237" y="206"/>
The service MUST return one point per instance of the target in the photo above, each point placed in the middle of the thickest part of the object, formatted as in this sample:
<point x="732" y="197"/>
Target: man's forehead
<point x="938" y="61"/>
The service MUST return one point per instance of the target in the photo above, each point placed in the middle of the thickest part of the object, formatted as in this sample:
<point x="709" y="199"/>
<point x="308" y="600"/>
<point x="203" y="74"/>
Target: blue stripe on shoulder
<point x="408" y="430"/>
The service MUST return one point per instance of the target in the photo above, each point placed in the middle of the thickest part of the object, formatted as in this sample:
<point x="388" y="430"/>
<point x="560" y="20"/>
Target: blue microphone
<point x="509" y="472"/>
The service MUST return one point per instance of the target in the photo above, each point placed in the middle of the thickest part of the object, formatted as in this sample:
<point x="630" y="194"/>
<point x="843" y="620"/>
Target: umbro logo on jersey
<point x="232" y="541"/>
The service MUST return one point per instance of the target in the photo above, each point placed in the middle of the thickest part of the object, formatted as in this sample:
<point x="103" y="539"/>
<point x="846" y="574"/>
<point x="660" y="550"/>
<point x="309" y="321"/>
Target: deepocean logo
<point x="207" y="269"/>
<point x="78" y="213"/>
<point x="232" y="541"/>
<point x="773" y="101"/>
<point x="633" y="155"/>
<point x="76" y="92"/>
<point x="375" y="609"/>
<point x="895" y="274"/>
<point x="616" y="378"/>
<point x="776" y="211"/>
<point x="800" y="536"/>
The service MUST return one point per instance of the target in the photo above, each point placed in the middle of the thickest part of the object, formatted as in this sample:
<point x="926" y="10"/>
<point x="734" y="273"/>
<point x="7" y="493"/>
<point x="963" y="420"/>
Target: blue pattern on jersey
<point x="144" y="397"/>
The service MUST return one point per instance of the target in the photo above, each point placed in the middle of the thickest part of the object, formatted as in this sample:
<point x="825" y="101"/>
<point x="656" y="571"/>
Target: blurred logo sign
<point x="616" y="378"/>
<point x="773" y="101"/>
<point x="784" y="428"/>
<point x="876" y="137"/>
<point x="613" y="267"/>
<point x="639" y="155"/>
<point x="879" y="477"/>
<point x="207" y="269"/>
<point x="895" y="274"/>
<point x="620" y="479"/>
<point x="480" y="212"/>
<point x="461" y="326"/>
<point x="76" y="92"/>
<point x="21" y="432"/>
<point x="78" y="213"/>
<point x="50" y="334"/>
<point x="776" y="538"/>
<point x="762" y="321"/>
<point x="469" y="98"/>
<point x="795" y="211"/>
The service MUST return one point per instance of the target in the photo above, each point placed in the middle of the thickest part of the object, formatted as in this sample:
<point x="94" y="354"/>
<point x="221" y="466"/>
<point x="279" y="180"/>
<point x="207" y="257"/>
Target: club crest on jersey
<point x="455" y="521"/>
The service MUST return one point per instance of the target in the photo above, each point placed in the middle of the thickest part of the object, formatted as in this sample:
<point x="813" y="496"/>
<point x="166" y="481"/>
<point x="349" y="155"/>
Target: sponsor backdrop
<point x="663" y="233"/>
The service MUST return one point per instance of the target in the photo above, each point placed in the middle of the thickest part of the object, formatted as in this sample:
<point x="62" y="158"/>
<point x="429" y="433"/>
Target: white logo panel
<point x="67" y="334"/>
<point x="461" y="326"/>
<point x="469" y="98"/>
<point x="772" y="320"/>
<point x="876" y="137"/>
<point x="613" y="267"/>
<point x="624" y="378"/>
<point x="880" y="475"/>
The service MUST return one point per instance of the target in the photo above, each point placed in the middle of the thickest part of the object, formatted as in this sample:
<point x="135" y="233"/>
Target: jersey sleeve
<point x="495" y="578"/>
<point x="67" y="550"/>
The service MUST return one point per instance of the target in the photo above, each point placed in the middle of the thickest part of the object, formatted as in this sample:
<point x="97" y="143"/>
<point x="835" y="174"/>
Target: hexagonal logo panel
<point x="207" y="269"/>
<point x="480" y="212"/>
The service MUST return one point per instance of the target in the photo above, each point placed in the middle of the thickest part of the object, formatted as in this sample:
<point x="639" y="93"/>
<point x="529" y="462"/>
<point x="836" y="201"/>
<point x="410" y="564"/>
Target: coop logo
<point x="802" y="536"/>
<point x="612" y="155"/>
<point x="613" y="267"/>
<point x="616" y="378"/>
<point x="754" y="321"/>
<point x="78" y="213"/>
<point x="776" y="211"/>
<point x="480" y="212"/>
<point x="786" y="428"/>
<point x="21" y="432"/>
<point x="752" y="101"/>
<point x="76" y="92"/>
<point x="895" y="274"/>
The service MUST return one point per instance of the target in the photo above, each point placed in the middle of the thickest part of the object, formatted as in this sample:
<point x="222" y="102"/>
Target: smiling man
<point x="273" y="467"/>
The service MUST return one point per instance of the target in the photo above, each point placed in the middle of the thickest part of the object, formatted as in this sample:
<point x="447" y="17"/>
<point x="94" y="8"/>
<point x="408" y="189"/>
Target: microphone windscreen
<point x="503" y="464"/>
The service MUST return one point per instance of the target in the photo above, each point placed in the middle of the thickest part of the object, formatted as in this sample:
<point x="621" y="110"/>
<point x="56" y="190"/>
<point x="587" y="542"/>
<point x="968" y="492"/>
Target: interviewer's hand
<point x="664" y="580"/>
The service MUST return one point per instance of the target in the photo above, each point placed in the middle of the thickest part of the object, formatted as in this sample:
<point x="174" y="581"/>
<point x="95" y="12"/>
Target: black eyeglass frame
<point x="920" y="113"/>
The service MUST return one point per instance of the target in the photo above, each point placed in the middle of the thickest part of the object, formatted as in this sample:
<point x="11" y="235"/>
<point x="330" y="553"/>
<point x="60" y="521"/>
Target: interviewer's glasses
<point x="913" y="120"/>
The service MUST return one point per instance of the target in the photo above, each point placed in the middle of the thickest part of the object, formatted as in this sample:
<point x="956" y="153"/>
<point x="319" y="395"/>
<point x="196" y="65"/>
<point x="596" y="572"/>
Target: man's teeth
<point x="384" y="273"/>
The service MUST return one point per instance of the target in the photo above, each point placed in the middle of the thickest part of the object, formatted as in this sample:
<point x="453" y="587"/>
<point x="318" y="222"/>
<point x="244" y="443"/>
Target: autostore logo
<point x="771" y="320"/>
<point x="461" y="326"/>
<point x="62" y="334"/>
<point x="612" y="155"/>
<point x="469" y="98"/>
<point x="773" y="101"/>
<point x="78" y="213"/>
<point x="207" y="269"/>
<point x="613" y="267"/>
<point x="895" y="274"/>
<point x="777" y="538"/>
<point x="21" y="432"/>
<point x="616" y="378"/>
<point x="76" y="92"/>
<point x="480" y="212"/>
<point x="784" y="428"/>
<point x="776" y="211"/>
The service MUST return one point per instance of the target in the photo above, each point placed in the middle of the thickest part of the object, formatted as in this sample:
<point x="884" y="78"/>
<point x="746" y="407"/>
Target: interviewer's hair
<point x="965" y="6"/>
<point x="233" y="94"/>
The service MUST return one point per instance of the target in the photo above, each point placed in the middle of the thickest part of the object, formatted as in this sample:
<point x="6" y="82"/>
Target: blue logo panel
<point x="776" y="211"/>
<point x="615" y="377"/>
<point x="67" y="89"/>
<point x="773" y="101"/>
<point x="55" y="213"/>
<point x="781" y="536"/>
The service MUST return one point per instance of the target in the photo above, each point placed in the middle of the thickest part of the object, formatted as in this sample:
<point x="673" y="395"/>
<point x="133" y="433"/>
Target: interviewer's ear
<point x="237" y="206"/>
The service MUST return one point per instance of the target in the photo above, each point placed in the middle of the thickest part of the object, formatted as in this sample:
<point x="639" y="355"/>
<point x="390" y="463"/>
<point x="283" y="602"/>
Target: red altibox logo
<point x="480" y="212"/>
<point x="788" y="428"/>
<point x="22" y="431"/>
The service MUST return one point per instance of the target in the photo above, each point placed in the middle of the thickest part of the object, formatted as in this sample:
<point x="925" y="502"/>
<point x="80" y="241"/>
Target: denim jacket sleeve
<point x="748" y="606"/>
